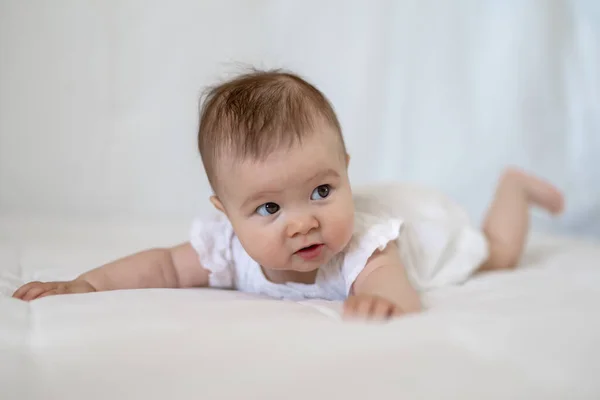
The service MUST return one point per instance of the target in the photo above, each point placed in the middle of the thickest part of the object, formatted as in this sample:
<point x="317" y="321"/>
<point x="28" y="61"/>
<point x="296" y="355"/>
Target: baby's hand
<point x="366" y="306"/>
<point x="37" y="290"/>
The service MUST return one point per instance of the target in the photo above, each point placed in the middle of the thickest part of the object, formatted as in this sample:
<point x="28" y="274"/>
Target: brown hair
<point x="257" y="113"/>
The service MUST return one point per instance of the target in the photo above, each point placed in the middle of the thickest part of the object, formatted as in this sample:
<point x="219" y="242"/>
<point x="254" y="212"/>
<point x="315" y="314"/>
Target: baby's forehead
<point x="285" y="166"/>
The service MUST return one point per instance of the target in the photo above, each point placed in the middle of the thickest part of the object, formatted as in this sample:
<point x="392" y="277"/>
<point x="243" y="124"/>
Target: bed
<point x="529" y="334"/>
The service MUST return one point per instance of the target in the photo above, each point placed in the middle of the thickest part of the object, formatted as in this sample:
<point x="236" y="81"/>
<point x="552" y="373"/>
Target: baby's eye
<point x="320" y="192"/>
<point x="267" y="209"/>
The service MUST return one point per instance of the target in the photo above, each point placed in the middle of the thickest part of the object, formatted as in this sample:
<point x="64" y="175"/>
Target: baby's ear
<point x="217" y="203"/>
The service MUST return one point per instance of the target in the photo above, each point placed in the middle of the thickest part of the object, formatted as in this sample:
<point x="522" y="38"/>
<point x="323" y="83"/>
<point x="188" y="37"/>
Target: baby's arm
<point x="382" y="289"/>
<point x="176" y="267"/>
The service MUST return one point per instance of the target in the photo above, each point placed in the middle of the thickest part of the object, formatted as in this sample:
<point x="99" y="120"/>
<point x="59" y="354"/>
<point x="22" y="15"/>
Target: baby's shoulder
<point x="371" y="230"/>
<point x="219" y="250"/>
<point x="374" y="229"/>
<point x="212" y="227"/>
<point x="371" y="217"/>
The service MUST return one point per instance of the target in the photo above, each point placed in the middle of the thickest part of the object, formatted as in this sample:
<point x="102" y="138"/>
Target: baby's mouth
<point x="308" y="248"/>
<point x="310" y="252"/>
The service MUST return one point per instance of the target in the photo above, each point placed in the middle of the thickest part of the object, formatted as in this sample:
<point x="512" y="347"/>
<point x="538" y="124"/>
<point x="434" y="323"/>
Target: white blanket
<point x="528" y="334"/>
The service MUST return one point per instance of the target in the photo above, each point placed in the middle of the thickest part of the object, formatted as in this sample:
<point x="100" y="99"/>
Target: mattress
<point x="532" y="333"/>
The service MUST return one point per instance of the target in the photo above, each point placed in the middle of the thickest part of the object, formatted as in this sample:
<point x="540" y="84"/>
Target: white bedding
<point x="529" y="334"/>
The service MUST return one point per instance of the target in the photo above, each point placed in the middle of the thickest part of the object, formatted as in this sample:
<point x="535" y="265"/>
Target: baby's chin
<point x="299" y="265"/>
<point x="295" y="267"/>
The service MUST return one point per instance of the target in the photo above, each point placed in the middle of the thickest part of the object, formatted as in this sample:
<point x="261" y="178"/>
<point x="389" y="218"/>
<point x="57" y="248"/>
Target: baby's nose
<point x="301" y="225"/>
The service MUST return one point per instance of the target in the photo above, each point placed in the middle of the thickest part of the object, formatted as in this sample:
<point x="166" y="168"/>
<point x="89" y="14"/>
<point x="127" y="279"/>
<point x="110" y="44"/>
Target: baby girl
<point x="289" y="225"/>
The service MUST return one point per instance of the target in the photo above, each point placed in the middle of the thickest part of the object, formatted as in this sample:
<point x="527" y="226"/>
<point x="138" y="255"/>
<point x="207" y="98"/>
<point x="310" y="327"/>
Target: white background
<point x="99" y="99"/>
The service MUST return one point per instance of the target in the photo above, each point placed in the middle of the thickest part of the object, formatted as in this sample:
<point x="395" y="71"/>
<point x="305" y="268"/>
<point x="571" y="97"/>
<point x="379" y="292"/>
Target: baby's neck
<point x="278" y="276"/>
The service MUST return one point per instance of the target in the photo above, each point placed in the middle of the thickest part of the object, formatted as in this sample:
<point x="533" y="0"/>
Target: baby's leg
<point x="507" y="222"/>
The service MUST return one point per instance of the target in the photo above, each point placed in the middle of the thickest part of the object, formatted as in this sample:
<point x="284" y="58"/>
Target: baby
<point x="289" y="225"/>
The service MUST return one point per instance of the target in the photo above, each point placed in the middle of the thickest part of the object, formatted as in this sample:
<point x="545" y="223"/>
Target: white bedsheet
<point x="529" y="334"/>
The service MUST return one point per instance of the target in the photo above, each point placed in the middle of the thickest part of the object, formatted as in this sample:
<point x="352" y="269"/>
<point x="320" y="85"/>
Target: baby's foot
<point x="538" y="191"/>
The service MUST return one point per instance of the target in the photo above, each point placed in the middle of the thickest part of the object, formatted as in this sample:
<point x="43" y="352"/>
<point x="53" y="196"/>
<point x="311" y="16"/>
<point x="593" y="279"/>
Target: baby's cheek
<point x="340" y="228"/>
<point x="251" y="241"/>
<point x="258" y="249"/>
<point x="264" y="249"/>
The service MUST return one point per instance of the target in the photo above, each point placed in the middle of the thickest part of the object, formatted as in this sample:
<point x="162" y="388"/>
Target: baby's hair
<point x="258" y="112"/>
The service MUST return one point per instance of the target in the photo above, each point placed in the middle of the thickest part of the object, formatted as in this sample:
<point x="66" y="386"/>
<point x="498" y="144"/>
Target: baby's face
<point x="293" y="211"/>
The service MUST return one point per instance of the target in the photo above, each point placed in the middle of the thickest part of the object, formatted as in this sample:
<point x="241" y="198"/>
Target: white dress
<point x="438" y="246"/>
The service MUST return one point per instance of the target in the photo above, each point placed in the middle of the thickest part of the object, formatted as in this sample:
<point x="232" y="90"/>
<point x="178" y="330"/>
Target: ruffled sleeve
<point x="371" y="233"/>
<point x="212" y="239"/>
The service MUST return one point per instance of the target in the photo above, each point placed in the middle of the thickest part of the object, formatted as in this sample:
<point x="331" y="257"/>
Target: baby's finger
<point x="52" y="292"/>
<point x="20" y="292"/>
<point x="364" y="307"/>
<point x="350" y="305"/>
<point x="397" y="311"/>
<point x="381" y="310"/>
<point x="34" y="292"/>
